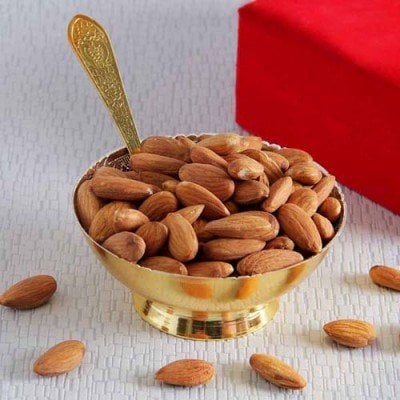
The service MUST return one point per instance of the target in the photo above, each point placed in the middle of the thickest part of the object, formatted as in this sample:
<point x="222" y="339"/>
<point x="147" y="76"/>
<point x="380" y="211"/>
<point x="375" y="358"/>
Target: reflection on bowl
<point x="203" y="308"/>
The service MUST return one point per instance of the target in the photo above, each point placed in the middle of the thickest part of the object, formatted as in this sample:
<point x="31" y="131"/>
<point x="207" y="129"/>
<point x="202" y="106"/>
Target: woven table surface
<point x="178" y="63"/>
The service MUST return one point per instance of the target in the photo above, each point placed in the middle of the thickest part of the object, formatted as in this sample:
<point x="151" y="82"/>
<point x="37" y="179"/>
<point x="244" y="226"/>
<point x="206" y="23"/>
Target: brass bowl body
<point x="203" y="308"/>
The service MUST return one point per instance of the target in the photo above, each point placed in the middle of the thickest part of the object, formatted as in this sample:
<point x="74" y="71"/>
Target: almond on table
<point x="385" y="276"/>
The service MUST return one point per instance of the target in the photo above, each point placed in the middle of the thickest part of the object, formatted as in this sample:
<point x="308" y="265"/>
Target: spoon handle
<point x="93" y="48"/>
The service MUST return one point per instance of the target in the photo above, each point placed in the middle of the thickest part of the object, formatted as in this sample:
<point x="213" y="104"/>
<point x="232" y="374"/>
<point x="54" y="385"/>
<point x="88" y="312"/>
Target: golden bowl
<point x="203" y="308"/>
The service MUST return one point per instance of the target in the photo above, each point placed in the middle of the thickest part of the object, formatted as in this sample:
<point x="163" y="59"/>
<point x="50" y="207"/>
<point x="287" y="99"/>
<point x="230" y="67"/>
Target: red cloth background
<point x="324" y="75"/>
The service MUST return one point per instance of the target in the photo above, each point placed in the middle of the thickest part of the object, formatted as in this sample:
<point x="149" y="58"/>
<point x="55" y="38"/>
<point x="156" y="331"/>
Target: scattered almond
<point x="29" y="293"/>
<point x="385" y="276"/>
<point x="277" y="372"/>
<point x="187" y="372"/>
<point x="60" y="359"/>
<point x="351" y="332"/>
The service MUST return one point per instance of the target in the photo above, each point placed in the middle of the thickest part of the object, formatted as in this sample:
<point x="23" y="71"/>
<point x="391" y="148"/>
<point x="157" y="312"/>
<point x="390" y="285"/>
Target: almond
<point x="306" y="199"/>
<point x="280" y="160"/>
<point x="299" y="226"/>
<point x="294" y="155"/>
<point x="263" y="178"/>
<point x="331" y="208"/>
<point x="250" y="192"/>
<point x="212" y="178"/>
<point x="186" y="143"/>
<point x="280" y="242"/>
<point x="245" y="168"/>
<point x="271" y="168"/>
<point x="156" y="163"/>
<point x="277" y="372"/>
<point x="190" y="194"/>
<point x="132" y="175"/>
<point x="210" y="269"/>
<point x="165" y="146"/>
<point x="252" y="142"/>
<point x="60" y="359"/>
<point x="203" y="155"/>
<point x="201" y="233"/>
<point x="155" y="235"/>
<point x="127" y="219"/>
<point x="231" y="249"/>
<point x="182" y="240"/>
<point x="154" y="178"/>
<point x="304" y="172"/>
<point x="324" y="226"/>
<point x="351" y="332"/>
<point x="267" y="261"/>
<point x="297" y="186"/>
<point x="269" y="218"/>
<point x="191" y="213"/>
<point x="223" y="144"/>
<point x="204" y="136"/>
<point x="29" y="293"/>
<point x="102" y="225"/>
<point x="385" y="276"/>
<point x="186" y="372"/>
<point x="114" y="188"/>
<point x="170" y="186"/>
<point x="324" y="188"/>
<point x="232" y="207"/>
<point x="87" y="204"/>
<point x="159" y="205"/>
<point x="109" y="171"/>
<point x="241" y="227"/>
<point x="279" y="193"/>
<point x="164" y="264"/>
<point x="126" y="245"/>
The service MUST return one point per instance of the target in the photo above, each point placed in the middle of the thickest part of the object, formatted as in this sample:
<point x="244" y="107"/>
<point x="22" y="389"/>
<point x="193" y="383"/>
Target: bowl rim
<point x="123" y="150"/>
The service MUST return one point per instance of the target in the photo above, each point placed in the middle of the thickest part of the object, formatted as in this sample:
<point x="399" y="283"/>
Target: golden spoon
<point x="93" y="48"/>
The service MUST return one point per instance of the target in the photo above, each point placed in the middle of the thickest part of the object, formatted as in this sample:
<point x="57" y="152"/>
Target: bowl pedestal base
<point x="203" y="325"/>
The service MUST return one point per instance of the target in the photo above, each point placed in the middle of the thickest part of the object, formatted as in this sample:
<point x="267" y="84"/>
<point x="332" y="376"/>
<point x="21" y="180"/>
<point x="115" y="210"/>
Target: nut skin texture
<point x="231" y="249"/>
<point x="277" y="372"/>
<point x="330" y="208"/>
<point x="222" y="144"/>
<point x="271" y="168"/>
<point x="29" y="293"/>
<point x="324" y="188"/>
<point x="156" y="163"/>
<point x="245" y="168"/>
<point x="159" y="205"/>
<point x="87" y="203"/>
<point x="126" y="245"/>
<point x="155" y="235"/>
<point x="279" y="193"/>
<point x="267" y="261"/>
<point x="324" y="226"/>
<point x="305" y="173"/>
<point x="128" y="219"/>
<point x="203" y="155"/>
<point x="306" y="199"/>
<point x="210" y="269"/>
<point x="351" y="332"/>
<point x="60" y="359"/>
<point x="164" y="264"/>
<point x="299" y="227"/>
<point x="385" y="276"/>
<point x="280" y="242"/>
<point x="188" y="372"/>
<point x="182" y="240"/>
<point x="294" y="155"/>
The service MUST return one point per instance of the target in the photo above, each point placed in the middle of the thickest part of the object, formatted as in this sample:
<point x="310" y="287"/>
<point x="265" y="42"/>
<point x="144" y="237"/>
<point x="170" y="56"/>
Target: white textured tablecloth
<point x="177" y="59"/>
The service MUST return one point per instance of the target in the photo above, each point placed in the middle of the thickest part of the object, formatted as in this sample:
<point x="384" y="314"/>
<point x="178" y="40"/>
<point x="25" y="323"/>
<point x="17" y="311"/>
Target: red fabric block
<point x="324" y="75"/>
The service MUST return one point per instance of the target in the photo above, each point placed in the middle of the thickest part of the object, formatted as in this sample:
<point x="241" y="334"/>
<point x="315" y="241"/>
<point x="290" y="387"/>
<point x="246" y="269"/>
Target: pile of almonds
<point x="211" y="206"/>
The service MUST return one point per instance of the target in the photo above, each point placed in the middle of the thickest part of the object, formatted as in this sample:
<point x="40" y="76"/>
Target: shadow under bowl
<point x="203" y="308"/>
